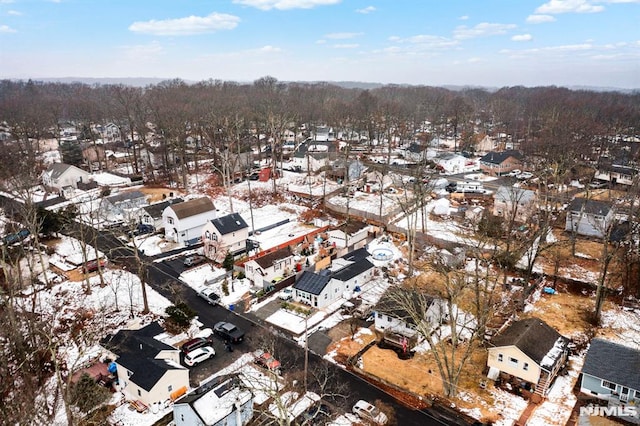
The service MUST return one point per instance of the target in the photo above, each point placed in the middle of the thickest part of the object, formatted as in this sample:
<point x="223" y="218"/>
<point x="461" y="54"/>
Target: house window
<point x="139" y="392"/>
<point x="513" y="361"/>
<point x="608" y="385"/>
<point x="499" y="357"/>
<point x="169" y="388"/>
<point x="326" y="296"/>
<point x="525" y="367"/>
<point x="170" y="220"/>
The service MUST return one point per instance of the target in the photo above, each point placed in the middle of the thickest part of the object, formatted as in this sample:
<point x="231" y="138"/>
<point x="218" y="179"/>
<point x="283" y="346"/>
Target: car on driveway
<point x="525" y="175"/>
<point x="369" y="412"/>
<point x="194" y="260"/>
<point x="196" y="356"/>
<point x="210" y="296"/>
<point x="317" y="414"/>
<point x="92" y="265"/>
<point x="228" y="332"/>
<point x="286" y="293"/>
<point x="195" y="343"/>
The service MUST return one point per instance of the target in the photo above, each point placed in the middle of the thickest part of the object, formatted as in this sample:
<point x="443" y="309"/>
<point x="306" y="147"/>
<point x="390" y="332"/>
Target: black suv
<point x="228" y="332"/>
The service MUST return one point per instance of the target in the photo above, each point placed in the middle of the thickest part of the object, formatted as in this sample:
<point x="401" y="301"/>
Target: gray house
<point x="591" y="218"/>
<point x="124" y="206"/>
<point x="611" y="372"/>
<point x="221" y="402"/>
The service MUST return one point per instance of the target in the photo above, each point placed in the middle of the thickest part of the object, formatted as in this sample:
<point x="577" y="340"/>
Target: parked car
<point x="198" y="355"/>
<point x="194" y="260"/>
<point x="369" y="412"/>
<point x="92" y="266"/>
<point x="286" y="293"/>
<point x="210" y="296"/>
<point x="525" y="175"/>
<point x="142" y="229"/>
<point x="317" y="414"/>
<point x="597" y="184"/>
<point x="266" y="360"/>
<point x="195" y="343"/>
<point x="514" y="173"/>
<point x="451" y="187"/>
<point x="228" y="332"/>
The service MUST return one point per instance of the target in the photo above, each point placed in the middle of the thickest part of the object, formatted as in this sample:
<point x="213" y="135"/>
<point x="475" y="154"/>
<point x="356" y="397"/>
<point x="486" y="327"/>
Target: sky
<point x="490" y="43"/>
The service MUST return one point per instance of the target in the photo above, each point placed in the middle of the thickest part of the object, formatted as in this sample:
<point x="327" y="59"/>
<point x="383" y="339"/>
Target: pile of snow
<point x="108" y="179"/>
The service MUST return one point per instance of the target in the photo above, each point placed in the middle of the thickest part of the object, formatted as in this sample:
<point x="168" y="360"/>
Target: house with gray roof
<point x="60" y="175"/>
<point x="152" y="214"/>
<point x="183" y="222"/>
<point x="226" y="234"/>
<point x="124" y="206"/>
<point x="514" y="204"/>
<point x="591" y="218"/>
<point x="611" y="372"/>
<point x="342" y="278"/>
<point x="222" y="401"/>
<point x="148" y="370"/>
<point x="498" y="163"/>
<point x="528" y="350"/>
<point x="312" y="155"/>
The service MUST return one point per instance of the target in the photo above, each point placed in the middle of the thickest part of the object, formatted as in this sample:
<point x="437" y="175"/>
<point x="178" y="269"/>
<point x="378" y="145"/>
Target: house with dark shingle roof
<point x="152" y="214"/>
<point x="498" y="163"/>
<point x="261" y="270"/>
<point x="148" y="370"/>
<point x="528" y="350"/>
<point x="319" y="289"/>
<point x="226" y="234"/>
<point x="183" y="222"/>
<point x="60" y="175"/>
<point x="611" y="372"/>
<point x="313" y="155"/>
<point x="591" y="218"/>
<point x="123" y="206"/>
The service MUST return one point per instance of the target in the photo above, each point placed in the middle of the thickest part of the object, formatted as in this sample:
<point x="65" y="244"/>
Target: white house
<point x="454" y="163"/>
<point x="124" y="206"/>
<point x="225" y="234"/>
<point x="60" y="175"/>
<point x="313" y="155"/>
<point x="152" y="214"/>
<point x="514" y="203"/>
<point x="261" y="270"/>
<point x="591" y="218"/>
<point x="183" y="222"/>
<point x="222" y="401"/>
<point x="319" y="289"/>
<point x="349" y="236"/>
<point x="148" y="370"/>
<point x="393" y="318"/>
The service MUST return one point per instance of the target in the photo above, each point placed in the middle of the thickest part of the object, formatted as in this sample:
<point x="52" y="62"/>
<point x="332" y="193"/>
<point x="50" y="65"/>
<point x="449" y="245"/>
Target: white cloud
<point x="366" y="10"/>
<point x="427" y="41"/>
<point x="346" y="46"/>
<point x="187" y="26"/>
<point x="269" y="49"/>
<point x="5" y="29"/>
<point x="540" y="19"/>
<point x="342" y="36"/>
<point x="285" y="4"/>
<point x="14" y="13"/>
<point x="522" y="37"/>
<point x="554" y="7"/>
<point x="464" y="17"/>
<point x="481" y="30"/>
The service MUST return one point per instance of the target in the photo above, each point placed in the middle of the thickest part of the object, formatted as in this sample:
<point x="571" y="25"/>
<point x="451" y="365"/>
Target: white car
<point x="370" y="412"/>
<point x="525" y="175"/>
<point x="514" y="173"/>
<point x="210" y="296"/>
<point x="196" y="356"/>
<point x="286" y="294"/>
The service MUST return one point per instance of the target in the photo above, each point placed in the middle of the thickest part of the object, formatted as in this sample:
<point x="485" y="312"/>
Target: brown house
<point x="500" y="163"/>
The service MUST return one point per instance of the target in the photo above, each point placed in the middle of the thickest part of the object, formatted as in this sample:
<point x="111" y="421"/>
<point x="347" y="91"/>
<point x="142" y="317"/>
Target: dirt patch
<point x="345" y="346"/>
<point x="158" y="194"/>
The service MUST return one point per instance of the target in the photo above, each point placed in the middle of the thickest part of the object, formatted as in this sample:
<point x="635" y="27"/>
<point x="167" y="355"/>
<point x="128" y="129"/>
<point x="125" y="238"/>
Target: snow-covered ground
<point x="208" y="276"/>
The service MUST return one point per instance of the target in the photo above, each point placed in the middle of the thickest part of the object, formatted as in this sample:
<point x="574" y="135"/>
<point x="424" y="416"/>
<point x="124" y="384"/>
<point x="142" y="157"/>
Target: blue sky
<point x="427" y="42"/>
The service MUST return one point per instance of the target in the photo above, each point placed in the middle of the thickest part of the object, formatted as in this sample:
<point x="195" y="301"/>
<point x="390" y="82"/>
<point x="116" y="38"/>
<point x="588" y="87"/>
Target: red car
<point x="266" y="360"/>
<point x="92" y="266"/>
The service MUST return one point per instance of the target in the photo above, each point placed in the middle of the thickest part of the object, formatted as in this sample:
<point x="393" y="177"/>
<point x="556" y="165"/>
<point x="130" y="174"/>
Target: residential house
<point x="355" y="169"/>
<point x="311" y="156"/>
<point x="454" y="163"/>
<point x="418" y="152"/>
<point x="263" y="269"/>
<point x="591" y="218"/>
<point x="148" y="370"/>
<point x="152" y="214"/>
<point x="60" y="175"/>
<point x="183" y="222"/>
<point x="349" y="236"/>
<point x="611" y="372"/>
<point x="324" y="134"/>
<point x="123" y="206"/>
<point x="528" y="350"/>
<point x="616" y="174"/>
<point x="498" y="163"/>
<point x="391" y="319"/>
<point x="320" y="289"/>
<point x="223" y="401"/>
<point x="513" y="203"/>
<point x="226" y="234"/>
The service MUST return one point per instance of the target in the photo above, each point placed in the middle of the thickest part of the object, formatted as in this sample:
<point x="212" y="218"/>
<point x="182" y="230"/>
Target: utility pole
<point x="306" y="352"/>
